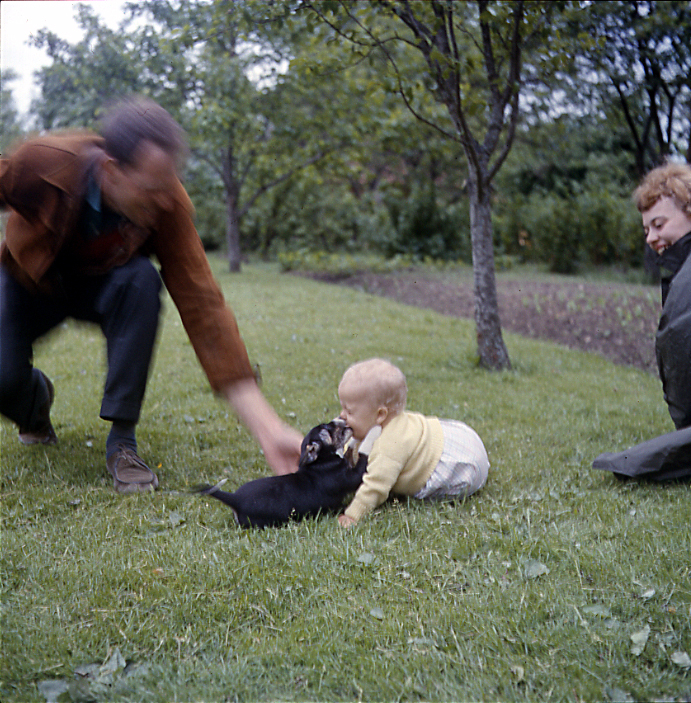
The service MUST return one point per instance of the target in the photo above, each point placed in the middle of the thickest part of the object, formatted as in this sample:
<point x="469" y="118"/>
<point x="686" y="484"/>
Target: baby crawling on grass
<point x="415" y="455"/>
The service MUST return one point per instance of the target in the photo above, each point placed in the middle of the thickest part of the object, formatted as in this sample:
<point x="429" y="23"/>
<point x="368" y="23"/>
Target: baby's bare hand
<point x="345" y="521"/>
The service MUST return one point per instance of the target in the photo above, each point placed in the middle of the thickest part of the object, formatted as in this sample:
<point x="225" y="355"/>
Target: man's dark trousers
<point x="124" y="302"/>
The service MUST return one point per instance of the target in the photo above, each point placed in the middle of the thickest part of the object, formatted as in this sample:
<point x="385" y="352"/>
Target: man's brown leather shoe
<point x="44" y="433"/>
<point x="130" y="474"/>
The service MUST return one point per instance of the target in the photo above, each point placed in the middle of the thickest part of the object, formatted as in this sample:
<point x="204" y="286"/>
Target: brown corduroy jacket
<point x="43" y="182"/>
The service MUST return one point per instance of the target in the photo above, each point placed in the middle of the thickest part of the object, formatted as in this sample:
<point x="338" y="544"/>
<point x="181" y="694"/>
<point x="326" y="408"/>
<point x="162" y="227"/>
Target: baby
<point x="418" y="456"/>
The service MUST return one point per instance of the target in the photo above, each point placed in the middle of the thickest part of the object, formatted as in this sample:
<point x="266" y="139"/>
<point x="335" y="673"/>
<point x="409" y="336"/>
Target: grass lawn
<point x="555" y="582"/>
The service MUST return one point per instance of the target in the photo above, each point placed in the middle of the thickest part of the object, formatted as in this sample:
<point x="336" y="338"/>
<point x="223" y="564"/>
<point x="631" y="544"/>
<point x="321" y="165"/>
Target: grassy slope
<point x="420" y="601"/>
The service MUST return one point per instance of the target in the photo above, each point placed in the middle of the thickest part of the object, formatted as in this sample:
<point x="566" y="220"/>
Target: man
<point x="86" y="213"/>
<point x="664" y="201"/>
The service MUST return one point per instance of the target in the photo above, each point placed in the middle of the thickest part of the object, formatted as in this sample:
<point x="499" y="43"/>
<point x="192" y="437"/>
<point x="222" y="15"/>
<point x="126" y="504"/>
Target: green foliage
<point x="10" y="125"/>
<point x="301" y="137"/>
<point x="305" y="214"/>
<point x="637" y="70"/>
<point x="340" y="264"/>
<point x="103" y="66"/>
<point x="564" y="197"/>
<point x="206" y="192"/>
<point x="424" y="229"/>
<point x="592" y="227"/>
<point x="531" y="590"/>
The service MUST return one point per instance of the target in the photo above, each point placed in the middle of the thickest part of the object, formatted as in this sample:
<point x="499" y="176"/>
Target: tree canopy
<point x="435" y="128"/>
<point x="640" y="67"/>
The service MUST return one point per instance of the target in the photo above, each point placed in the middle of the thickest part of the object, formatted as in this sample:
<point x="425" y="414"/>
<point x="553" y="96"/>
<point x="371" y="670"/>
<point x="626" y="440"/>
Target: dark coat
<point x="673" y="338"/>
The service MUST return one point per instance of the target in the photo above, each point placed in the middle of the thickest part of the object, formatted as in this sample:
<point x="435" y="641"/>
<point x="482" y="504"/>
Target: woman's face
<point x="664" y="224"/>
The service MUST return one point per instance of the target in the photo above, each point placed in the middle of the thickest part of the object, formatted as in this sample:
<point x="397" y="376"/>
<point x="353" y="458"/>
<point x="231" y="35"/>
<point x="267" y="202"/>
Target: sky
<point x="21" y="19"/>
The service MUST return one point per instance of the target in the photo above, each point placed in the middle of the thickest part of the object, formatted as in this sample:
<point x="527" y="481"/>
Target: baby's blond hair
<point x="383" y="382"/>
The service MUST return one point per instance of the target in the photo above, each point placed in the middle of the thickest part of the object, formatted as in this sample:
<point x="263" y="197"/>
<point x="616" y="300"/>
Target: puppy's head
<point x="322" y="440"/>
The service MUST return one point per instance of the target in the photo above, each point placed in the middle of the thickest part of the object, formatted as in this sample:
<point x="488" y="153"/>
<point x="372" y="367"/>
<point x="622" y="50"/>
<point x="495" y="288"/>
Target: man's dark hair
<point x="134" y="120"/>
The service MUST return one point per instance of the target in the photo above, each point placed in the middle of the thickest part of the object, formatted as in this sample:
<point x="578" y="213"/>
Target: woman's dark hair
<point x="133" y="120"/>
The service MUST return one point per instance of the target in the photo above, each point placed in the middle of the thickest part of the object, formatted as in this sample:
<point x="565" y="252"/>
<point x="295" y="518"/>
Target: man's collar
<point x="93" y="191"/>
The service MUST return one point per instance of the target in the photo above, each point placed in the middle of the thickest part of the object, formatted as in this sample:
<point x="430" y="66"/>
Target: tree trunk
<point x="232" y="235"/>
<point x="492" y="352"/>
<point x="232" y="223"/>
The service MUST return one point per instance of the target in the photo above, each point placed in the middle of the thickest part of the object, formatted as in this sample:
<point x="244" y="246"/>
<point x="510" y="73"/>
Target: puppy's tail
<point x="207" y="490"/>
<point x="215" y="492"/>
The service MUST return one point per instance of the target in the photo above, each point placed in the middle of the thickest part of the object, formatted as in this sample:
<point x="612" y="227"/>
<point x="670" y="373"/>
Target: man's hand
<point x="283" y="452"/>
<point x="280" y="442"/>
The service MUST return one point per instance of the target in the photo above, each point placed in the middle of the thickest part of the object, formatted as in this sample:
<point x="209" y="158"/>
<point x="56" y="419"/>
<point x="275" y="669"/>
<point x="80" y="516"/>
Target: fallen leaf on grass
<point x="639" y="640"/>
<point x="51" y="690"/>
<point x="534" y="568"/>
<point x="518" y="673"/>
<point x="617" y="695"/>
<point x="116" y="662"/>
<point x="602" y="610"/>
<point x="88" y="670"/>
<point x="85" y="691"/>
<point x="92" y="682"/>
<point x="161" y="526"/>
<point x="175" y="519"/>
<point x="422" y="644"/>
<point x="681" y="659"/>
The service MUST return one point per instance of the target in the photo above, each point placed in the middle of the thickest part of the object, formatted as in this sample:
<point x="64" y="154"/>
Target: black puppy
<point x="326" y="475"/>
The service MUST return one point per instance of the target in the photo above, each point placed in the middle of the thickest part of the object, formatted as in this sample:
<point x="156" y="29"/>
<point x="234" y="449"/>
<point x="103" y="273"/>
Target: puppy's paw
<point x="370" y="438"/>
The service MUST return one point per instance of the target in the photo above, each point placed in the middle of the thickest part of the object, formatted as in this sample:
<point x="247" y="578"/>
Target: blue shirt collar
<point x="93" y="193"/>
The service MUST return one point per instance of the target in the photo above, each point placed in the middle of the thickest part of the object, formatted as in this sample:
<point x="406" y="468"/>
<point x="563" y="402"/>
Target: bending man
<point x="87" y="211"/>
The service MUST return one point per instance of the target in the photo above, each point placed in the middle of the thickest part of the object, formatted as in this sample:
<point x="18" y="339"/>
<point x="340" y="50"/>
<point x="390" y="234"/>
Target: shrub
<point x="424" y="229"/>
<point x="307" y="215"/>
<point x="206" y="193"/>
<point x="593" y="226"/>
<point x="340" y="263"/>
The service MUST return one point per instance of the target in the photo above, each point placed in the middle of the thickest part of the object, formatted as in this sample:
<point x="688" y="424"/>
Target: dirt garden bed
<point x="617" y="321"/>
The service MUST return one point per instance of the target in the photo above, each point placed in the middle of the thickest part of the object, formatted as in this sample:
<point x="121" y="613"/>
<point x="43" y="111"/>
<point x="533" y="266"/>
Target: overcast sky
<point x="21" y="19"/>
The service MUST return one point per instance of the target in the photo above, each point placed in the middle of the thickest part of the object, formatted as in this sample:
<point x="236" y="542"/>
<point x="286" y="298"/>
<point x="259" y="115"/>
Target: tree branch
<point x="281" y="179"/>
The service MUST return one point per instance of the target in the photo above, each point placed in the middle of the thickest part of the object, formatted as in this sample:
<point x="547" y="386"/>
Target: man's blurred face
<point x="141" y="190"/>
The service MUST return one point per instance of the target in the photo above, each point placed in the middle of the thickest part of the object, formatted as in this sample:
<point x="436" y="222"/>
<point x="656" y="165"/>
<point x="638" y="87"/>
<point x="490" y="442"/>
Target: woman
<point x="664" y="201"/>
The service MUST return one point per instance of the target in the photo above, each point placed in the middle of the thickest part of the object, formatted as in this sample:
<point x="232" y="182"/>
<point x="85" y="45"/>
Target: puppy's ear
<point x="325" y="436"/>
<point x="309" y="454"/>
<point x="351" y="455"/>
